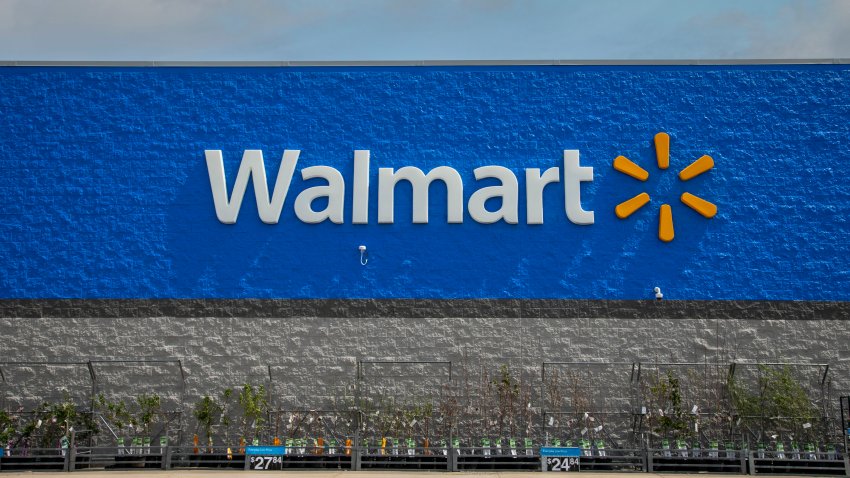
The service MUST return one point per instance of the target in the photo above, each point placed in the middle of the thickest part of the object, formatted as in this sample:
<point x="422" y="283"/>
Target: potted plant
<point x="7" y="433"/>
<point x="208" y="412"/>
<point x="254" y="407"/>
<point x="117" y="416"/>
<point x="150" y="412"/>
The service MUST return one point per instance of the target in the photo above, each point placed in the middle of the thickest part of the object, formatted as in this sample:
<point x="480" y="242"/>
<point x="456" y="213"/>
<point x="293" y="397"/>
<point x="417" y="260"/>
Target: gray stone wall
<point x="307" y="352"/>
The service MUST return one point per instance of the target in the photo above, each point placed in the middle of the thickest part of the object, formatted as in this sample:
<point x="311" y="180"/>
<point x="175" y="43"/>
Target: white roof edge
<point x="155" y="63"/>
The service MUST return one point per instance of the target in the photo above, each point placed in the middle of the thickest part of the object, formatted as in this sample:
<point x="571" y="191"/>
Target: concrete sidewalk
<point x="326" y="474"/>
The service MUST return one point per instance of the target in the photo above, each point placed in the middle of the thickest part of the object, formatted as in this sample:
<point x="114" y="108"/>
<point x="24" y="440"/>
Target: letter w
<point x="252" y="165"/>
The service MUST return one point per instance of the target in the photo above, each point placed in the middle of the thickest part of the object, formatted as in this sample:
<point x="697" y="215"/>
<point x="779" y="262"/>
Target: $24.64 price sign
<point x="266" y="462"/>
<point x="566" y="463"/>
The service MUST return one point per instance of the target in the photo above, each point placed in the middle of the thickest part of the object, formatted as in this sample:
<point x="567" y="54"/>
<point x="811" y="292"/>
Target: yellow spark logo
<point x="665" y="220"/>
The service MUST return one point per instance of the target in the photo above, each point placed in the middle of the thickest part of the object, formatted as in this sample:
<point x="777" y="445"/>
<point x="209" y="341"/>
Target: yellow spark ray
<point x="696" y="168"/>
<point x="627" y="167"/>
<point x="628" y="207"/>
<point x="699" y="205"/>
<point x="662" y="150"/>
<point x="665" y="224"/>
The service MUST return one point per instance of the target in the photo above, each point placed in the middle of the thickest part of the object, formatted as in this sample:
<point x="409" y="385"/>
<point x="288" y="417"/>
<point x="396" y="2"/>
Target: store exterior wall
<point x="113" y="249"/>
<point x="314" y="365"/>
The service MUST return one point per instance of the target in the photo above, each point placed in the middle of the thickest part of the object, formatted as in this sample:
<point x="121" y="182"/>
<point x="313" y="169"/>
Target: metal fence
<point x="445" y="457"/>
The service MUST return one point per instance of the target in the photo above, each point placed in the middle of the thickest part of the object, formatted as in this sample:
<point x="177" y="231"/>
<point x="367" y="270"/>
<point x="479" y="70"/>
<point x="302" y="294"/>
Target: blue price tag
<point x="266" y="450"/>
<point x="560" y="451"/>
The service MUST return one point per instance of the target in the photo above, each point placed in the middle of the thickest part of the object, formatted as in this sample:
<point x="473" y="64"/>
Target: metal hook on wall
<point x="363" y="258"/>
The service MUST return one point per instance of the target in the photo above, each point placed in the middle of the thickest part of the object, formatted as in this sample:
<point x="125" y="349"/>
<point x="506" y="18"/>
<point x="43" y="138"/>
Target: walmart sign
<point x="585" y="182"/>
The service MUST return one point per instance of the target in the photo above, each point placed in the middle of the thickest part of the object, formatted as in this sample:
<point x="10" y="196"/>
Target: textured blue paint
<point x="105" y="191"/>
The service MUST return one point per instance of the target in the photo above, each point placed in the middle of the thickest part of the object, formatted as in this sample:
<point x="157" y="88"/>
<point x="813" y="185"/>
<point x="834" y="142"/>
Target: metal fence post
<point x="247" y="462"/>
<point x="355" y="448"/>
<point x="166" y="457"/>
<point x="649" y="461"/>
<point x="71" y="454"/>
<point x="752" y="459"/>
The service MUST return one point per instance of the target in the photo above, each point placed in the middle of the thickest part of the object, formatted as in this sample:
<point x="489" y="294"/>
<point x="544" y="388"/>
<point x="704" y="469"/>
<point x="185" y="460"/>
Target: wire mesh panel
<point x="328" y="385"/>
<point x="43" y="402"/>
<point x="686" y="406"/>
<point x="314" y="403"/>
<point x="240" y="412"/>
<point x="139" y="402"/>
<point x="492" y="404"/>
<point x="589" y="405"/>
<point x="29" y="384"/>
<point x="400" y="403"/>
<point x="785" y="405"/>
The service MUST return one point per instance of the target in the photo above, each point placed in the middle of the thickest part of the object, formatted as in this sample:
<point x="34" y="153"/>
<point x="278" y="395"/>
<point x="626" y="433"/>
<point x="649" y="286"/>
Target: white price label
<point x="562" y="464"/>
<point x="266" y="462"/>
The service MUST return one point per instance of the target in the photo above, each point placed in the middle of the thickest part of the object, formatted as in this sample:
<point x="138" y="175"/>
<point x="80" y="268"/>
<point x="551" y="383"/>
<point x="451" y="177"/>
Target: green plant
<point x="669" y="395"/>
<point x="449" y="409"/>
<point x="507" y="393"/>
<point x="207" y="412"/>
<point x="50" y="422"/>
<point x="226" y="397"/>
<point x="416" y="414"/>
<point x="149" y="410"/>
<point x="254" y="405"/>
<point x="779" y="401"/>
<point x="7" y="428"/>
<point x="115" y="413"/>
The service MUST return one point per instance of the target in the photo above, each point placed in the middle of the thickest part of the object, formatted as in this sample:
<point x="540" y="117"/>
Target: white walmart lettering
<point x="269" y="208"/>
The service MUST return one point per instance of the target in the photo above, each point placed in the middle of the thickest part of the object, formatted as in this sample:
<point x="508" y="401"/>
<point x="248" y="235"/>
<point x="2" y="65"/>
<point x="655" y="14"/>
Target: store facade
<point x="305" y="225"/>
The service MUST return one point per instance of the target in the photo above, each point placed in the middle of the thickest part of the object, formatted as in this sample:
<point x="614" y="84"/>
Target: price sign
<point x="265" y="457"/>
<point x="266" y="462"/>
<point x="557" y="458"/>
<point x="564" y="463"/>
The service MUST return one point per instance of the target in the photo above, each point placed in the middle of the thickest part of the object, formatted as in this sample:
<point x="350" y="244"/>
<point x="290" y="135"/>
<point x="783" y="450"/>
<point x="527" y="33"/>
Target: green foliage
<point x="50" y="422"/>
<point x="207" y="412"/>
<point x="149" y="409"/>
<point x="778" y="395"/>
<point x="7" y="428"/>
<point x="668" y="392"/>
<point x="507" y="393"/>
<point x="421" y="413"/>
<point x="507" y="387"/>
<point x="115" y="413"/>
<point x="254" y="405"/>
<point x="226" y="397"/>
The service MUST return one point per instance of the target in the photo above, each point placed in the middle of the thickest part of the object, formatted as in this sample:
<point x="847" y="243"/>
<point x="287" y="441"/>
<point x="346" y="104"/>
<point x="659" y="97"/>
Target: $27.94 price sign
<point x="560" y="458"/>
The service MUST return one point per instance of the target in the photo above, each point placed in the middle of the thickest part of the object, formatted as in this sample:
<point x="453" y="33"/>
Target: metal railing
<point x="413" y="458"/>
<point x="433" y="458"/>
<point x="35" y="459"/>
<point x="798" y="463"/>
<point x="696" y="461"/>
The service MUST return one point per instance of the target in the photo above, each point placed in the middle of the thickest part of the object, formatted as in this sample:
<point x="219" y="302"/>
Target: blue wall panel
<point x="105" y="191"/>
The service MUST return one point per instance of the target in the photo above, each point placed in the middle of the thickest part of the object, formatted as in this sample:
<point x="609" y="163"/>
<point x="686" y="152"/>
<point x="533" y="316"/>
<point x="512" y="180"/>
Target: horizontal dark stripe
<point x="448" y="308"/>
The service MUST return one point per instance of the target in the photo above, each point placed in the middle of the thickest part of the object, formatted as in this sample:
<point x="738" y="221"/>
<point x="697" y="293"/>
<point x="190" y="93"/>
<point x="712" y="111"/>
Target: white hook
<point x="363" y="258"/>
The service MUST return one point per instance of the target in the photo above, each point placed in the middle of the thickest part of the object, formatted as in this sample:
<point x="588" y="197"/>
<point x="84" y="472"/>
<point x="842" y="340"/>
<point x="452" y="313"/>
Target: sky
<point x="348" y="30"/>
